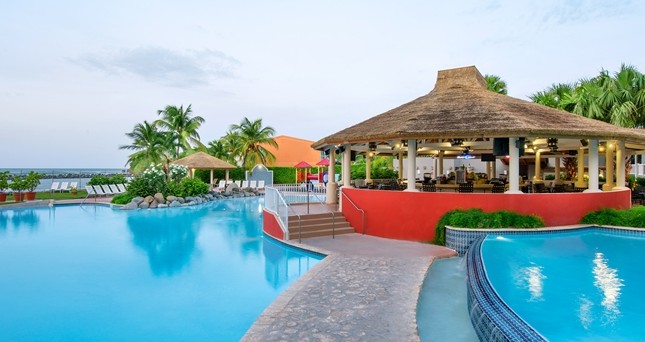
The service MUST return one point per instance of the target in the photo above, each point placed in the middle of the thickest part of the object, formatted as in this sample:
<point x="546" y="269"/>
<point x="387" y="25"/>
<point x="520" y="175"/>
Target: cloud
<point x="563" y="12"/>
<point x="159" y="65"/>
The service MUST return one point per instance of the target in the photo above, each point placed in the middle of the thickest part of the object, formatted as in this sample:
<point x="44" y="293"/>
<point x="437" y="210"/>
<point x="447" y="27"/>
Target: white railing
<point x="299" y="193"/>
<point x="275" y="203"/>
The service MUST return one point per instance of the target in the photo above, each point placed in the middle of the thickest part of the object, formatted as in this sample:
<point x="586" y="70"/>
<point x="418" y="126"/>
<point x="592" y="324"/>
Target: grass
<point x="49" y="195"/>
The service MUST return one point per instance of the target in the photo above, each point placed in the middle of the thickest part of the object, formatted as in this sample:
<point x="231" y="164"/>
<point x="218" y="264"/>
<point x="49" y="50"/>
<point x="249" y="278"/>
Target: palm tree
<point x="151" y="146"/>
<point x="556" y="96"/>
<point x="183" y="127"/>
<point x="254" y="139"/>
<point x="623" y="96"/>
<point x="495" y="84"/>
<point x="233" y="147"/>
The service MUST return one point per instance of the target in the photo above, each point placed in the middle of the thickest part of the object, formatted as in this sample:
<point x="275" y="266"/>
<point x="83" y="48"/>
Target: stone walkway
<point x="366" y="289"/>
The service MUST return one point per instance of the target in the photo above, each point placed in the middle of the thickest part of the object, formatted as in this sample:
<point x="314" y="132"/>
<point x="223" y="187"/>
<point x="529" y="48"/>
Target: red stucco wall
<point x="271" y="226"/>
<point x="414" y="215"/>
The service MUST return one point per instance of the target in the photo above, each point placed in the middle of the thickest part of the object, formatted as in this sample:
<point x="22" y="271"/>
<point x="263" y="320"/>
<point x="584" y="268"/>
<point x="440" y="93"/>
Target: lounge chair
<point x="121" y="188"/>
<point x="253" y="184"/>
<point x="260" y="185"/>
<point x="222" y="185"/>
<point x="107" y="190"/>
<point x="54" y="186"/>
<point x="73" y="185"/>
<point x="64" y="186"/>
<point x="114" y="189"/>
<point x="245" y="184"/>
<point x="238" y="183"/>
<point x="99" y="191"/>
<point x="90" y="192"/>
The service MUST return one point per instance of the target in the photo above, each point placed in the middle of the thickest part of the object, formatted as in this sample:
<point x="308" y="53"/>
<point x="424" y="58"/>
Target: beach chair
<point x="99" y="191"/>
<point x="114" y="189"/>
<point x="107" y="190"/>
<point x="54" y="186"/>
<point x="73" y="185"/>
<point x="245" y="184"/>
<point x="90" y="192"/>
<point x="253" y="184"/>
<point x="260" y="185"/>
<point x="64" y="186"/>
<point x="121" y="188"/>
<point x="238" y="183"/>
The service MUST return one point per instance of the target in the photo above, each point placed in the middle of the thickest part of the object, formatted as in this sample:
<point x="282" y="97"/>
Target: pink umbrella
<point x="323" y="162"/>
<point x="302" y="165"/>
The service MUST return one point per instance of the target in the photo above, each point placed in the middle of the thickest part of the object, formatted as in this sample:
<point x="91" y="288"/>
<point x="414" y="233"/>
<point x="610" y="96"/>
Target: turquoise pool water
<point x="585" y="285"/>
<point x="203" y="273"/>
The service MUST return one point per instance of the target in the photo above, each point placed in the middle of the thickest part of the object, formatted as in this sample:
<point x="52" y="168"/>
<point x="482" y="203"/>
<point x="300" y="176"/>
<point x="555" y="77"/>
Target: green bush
<point x="634" y="217"/>
<point x="476" y="218"/>
<point x="283" y="175"/>
<point x="192" y="187"/>
<point x="640" y="181"/>
<point x="122" y="198"/>
<point x="138" y="187"/>
<point x="173" y="189"/>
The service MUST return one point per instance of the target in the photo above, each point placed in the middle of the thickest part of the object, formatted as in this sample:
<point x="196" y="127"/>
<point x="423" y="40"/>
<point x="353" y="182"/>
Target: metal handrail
<point x="285" y="223"/>
<point x="357" y="208"/>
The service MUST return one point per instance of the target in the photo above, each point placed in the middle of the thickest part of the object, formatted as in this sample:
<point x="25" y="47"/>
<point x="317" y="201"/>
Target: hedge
<point x="476" y="218"/>
<point x="634" y="217"/>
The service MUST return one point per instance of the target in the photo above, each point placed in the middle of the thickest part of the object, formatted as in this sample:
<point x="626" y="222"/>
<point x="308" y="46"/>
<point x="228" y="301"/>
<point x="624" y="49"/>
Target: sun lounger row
<point x="257" y="185"/>
<point x="63" y="186"/>
<point x="105" y="189"/>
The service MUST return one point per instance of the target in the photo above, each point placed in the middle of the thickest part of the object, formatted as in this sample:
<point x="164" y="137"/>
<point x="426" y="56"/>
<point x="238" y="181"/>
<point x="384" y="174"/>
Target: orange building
<point x="292" y="151"/>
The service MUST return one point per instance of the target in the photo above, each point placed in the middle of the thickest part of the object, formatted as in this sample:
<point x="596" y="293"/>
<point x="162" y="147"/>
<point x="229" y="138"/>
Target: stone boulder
<point x="148" y="199"/>
<point x="171" y="198"/>
<point x="153" y="205"/>
<point x="174" y="204"/>
<point x="162" y="205"/>
<point x="137" y="200"/>
<point x="144" y="205"/>
<point x="159" y="198"/>
<point x="181" y="200"/>
<point x="130" y="206"/>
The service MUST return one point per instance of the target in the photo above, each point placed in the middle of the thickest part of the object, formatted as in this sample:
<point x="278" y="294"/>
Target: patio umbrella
<point x="302" y="165"/>
<point x="323" y="162"/>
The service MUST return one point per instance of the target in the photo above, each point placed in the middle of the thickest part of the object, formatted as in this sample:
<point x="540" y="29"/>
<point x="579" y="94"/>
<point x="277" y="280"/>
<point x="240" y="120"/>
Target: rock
<point x="148" y="199"/>
<point x="189" y="198"/>
<point x="171" y="198"/>
<point x="154" y="204"/>
<point x="162" y="205"/>
<point x="144" y="205"/>
<point x="159" y="198"/>
<point x="130" y="206"/>
<point x="137" y="200"/>
<point x="174" y="204"/>
<point x="181" y="200"/>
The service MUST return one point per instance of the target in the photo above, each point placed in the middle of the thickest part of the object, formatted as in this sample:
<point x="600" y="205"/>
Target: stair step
<point x="313" y="221"/>
<point x="319" y="233"/>
<point x="313" y="216"/>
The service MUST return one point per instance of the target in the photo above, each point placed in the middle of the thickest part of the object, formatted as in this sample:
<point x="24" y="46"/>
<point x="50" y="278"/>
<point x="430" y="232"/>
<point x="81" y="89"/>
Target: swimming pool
<point x="101" y="274"/>
<point x="580" y="285"/>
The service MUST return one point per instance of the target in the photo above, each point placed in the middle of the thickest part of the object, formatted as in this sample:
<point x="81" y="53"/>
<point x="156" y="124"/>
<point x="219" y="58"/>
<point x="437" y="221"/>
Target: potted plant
<point x="4" y="184"/>
<point x="31" y="182"/>
<point x="73" y="190"/>
<point x="18" y="185"/>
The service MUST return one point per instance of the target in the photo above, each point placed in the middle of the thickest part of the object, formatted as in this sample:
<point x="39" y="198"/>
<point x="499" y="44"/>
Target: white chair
<point x="253" y="184"/>
<point x="64" y="186"/>
<point x="73" y="185"/>
<point x="114" y="189"/>
<point x="121" y="188"/>
<point x="90" y="191"/>
<point x="54" y="186"/>
<point x="107" y="190"/>
<point x="245" y="184"/>
<point x="238" y="183"/>
<point x="98" y="190"/>
<point x="260" y="185"/>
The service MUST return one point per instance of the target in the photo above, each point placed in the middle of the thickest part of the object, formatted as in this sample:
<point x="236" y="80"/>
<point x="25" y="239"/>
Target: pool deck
<point x="366" y="289"/>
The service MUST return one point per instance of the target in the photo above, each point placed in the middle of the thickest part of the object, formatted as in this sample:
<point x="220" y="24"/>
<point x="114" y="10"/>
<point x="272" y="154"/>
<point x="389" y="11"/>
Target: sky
<point x="75" y="76"/>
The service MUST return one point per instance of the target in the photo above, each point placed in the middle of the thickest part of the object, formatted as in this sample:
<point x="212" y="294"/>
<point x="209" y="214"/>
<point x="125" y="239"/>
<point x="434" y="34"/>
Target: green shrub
<point x="634" y="217"/>
<point x="283" y="175"/>
<point x="192" y="187"/>
<point x="118" y="179"/>
<point x="122" y="198"/>
<point x="138" y="187"/>
<point x="173" y="189"/>
<point x="99" y="180"/>
<point x="476" y="218"/>
<point x="640" y="181"/>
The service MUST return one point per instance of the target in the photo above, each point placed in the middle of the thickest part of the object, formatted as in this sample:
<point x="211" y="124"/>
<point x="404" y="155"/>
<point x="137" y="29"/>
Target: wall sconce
<point x="372" y="146"/>
<point x="552" y="144"/>
<point x="457" y="142"/>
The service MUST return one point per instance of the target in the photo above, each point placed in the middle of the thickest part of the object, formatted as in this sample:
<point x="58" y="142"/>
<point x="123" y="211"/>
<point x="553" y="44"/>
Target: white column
<point x="557" y="169"/>
<point x="412" y="165"/>
<point x="368" y="166"/>
<point x="488" y="170"/>
<point x="609" y="166"/>
<point x="593" y="166"/>
<point x="494" y="168"/>
<point x="620" y="165"/>
<point x="401" y="165"/>
<point x="347" y="162"/>
<point x="441" y="172"/>
<point x="332" y="187"/>
<point x="538" y="166"/>
<point x="513" y="167"/>
<point x="226" y="176"/>
<point x="580" y="183"/>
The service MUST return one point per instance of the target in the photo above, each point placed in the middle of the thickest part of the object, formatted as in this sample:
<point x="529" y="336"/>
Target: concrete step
<point x="318" y="233"/>
<point x="315" y="216"/>
<point x="306" y="221"/>
<point x="294" y="229"/>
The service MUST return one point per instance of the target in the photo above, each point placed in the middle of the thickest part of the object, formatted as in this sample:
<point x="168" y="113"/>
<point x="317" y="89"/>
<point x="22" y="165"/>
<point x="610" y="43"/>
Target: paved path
<point x="365" y="290"/>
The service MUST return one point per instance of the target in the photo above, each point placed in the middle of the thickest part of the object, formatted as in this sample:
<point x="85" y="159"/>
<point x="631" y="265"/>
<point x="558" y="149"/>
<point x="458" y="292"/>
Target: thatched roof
<point x="460" y="106"/>
<point x="201" y="160"/>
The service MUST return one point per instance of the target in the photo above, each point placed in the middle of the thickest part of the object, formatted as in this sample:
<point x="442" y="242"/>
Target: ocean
<point x="79" y="175"/>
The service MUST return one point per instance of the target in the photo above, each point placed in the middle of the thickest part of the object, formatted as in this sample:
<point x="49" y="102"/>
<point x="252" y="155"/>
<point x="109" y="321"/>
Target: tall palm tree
<point x="254" y="139"/>
<point x="182" y="125"/>
<point x="150" y="146"/>
<point x="556" y="96"/>
<point x="232" y="146"/>
<point x="495" y="84"/>
<point x="623" y="96"/>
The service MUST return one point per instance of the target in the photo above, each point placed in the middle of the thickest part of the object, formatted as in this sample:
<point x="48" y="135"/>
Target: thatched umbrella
<point x="204" y="161"/>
